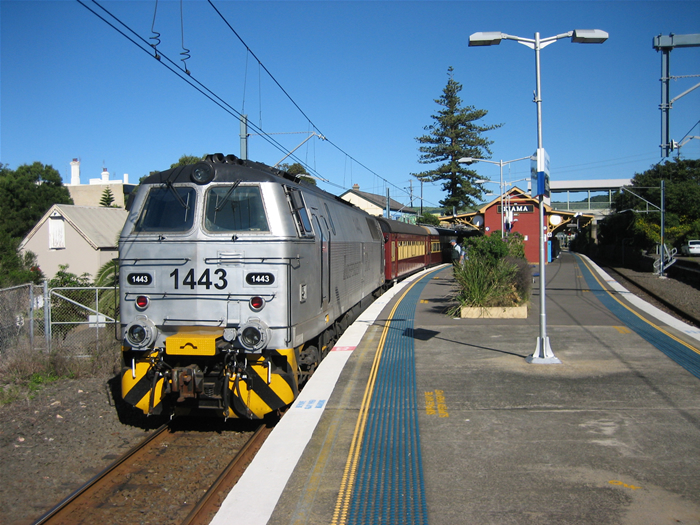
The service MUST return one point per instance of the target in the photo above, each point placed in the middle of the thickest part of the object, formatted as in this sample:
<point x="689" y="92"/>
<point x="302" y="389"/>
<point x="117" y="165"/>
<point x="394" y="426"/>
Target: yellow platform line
<point x="593" y="273"/>
<point x="340" y="513"/>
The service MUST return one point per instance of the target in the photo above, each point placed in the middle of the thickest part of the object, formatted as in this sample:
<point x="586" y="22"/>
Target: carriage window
<point x="167" y="209"/>
<point x="235" y="209"/>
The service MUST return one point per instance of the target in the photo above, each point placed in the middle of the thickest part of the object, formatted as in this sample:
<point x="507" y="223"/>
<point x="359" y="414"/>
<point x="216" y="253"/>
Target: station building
<point x="518" y="212"/>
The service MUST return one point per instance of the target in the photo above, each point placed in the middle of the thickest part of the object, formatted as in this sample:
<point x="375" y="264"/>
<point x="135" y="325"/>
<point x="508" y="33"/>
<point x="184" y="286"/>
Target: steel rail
<point x="205" y="509"/>
<point x="130" y="453"/>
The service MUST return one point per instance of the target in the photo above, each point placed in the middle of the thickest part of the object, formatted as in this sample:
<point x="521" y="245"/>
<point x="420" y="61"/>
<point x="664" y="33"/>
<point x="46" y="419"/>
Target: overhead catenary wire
<point x="297" y="105"/>
<point x="185" y="75"/>
<point x="177" y="70"/>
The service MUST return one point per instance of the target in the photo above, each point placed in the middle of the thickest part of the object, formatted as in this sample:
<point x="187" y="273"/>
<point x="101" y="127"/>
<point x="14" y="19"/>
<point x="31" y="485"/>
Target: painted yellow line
<point x="623" y="329"/>
<point x="342" y="504"/>
<point x="593" y="273"/>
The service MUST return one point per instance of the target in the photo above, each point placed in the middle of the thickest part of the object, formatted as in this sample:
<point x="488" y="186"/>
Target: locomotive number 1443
<point x="218" y="280"/>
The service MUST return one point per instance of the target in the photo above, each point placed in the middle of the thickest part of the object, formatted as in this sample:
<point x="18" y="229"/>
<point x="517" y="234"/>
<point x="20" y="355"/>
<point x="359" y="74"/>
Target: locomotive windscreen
<point x="238" y="210"/>
<point x="168" y="208"/>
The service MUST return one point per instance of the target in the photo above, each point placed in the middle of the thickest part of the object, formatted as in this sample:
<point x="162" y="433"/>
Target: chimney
<point x="356" y="187"/>
<point x="75" y="172"/>
<point x="105" y="175"/>
<point x="126" y="178"/>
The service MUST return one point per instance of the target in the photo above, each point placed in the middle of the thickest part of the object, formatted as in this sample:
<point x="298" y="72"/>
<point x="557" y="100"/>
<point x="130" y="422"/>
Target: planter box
<point x="495" y="312"/>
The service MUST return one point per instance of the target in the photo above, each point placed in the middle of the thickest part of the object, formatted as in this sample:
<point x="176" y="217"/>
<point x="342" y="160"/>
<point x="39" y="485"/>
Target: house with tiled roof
<point x="83" y="237"/>
<point x="376" y="205"/>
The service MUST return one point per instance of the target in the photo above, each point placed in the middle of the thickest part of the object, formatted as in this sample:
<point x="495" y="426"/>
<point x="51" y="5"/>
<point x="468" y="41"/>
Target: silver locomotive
<point x="235" y="279"/>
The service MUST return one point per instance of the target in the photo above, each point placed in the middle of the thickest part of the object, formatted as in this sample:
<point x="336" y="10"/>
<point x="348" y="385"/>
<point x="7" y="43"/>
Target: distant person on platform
<point x="457" y="253"/>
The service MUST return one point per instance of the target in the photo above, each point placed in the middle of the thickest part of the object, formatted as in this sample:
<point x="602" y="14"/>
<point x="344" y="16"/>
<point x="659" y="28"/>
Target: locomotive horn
<point x="216" y="157"/>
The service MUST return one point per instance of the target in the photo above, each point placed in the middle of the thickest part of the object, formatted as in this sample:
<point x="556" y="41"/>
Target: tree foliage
<point x="26" y="194"/>
<point x="638" y="223"/>
<point x="298" y="170"/>
<point x="428" y="218"/>
<point x="186" y="160"/>
<point x="455" y="133"/>
<point x="107" y="199"/>
<point x="16" y="268"/>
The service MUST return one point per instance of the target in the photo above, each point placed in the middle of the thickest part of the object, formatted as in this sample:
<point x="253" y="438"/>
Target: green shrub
<point x="495" y="273"/>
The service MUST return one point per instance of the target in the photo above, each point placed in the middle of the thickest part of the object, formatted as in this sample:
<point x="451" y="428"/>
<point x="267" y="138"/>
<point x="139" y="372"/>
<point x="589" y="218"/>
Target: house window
<point x="57" y="233"/>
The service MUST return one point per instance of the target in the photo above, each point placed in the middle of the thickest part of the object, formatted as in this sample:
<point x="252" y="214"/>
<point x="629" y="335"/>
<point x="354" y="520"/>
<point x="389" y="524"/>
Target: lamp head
<point x="589" y="36"/>
<point x="488" y="38"/>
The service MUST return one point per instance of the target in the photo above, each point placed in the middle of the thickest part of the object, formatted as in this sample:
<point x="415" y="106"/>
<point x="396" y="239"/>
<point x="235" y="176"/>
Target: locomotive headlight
<point x="253" y="335"/>
<point x="140" y="333"/>
<point x="202" y="173"/>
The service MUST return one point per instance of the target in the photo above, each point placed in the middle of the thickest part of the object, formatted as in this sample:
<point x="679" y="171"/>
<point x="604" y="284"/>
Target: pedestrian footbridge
<point x="591" y="197"/>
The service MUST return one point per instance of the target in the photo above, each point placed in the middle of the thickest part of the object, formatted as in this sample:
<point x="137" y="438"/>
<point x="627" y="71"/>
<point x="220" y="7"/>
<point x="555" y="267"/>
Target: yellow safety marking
<point x="621" y="484"/>
<point x="430" y="403"/>
<point x="340" y="513"/>
<point x="690" y="347"/>
<point x="191" y="343"/>
<point x="435" y="404"/>
<point x="623" y="329"/>
<point x="424" y="301"/>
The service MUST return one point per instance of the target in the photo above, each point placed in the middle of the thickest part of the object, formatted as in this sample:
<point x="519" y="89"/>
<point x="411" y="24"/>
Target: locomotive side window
<point x="374" y="229"/>
<point x="237" y="209"/>
<point x="301" y="216"/>
<point x="167" y="208"/>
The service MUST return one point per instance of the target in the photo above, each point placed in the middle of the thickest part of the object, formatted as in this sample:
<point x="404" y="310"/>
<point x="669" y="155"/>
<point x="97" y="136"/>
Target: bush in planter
<point x="495" y="273"/>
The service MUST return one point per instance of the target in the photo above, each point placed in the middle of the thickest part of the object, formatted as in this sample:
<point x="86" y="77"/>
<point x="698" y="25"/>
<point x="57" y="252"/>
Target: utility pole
<point x="244" y="137"/>
<point x="666" y="44"/>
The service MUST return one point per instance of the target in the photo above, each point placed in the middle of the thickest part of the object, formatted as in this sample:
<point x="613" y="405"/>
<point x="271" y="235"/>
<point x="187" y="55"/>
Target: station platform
<point x="417" y="417"/>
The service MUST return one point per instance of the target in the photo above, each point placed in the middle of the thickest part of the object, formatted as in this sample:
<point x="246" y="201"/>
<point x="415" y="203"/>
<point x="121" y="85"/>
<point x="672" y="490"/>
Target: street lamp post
<point x="501" y="163"/>
<point x="543" y="352"/>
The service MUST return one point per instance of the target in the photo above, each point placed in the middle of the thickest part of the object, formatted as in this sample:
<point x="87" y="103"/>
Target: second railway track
<point x="674" y="302"/>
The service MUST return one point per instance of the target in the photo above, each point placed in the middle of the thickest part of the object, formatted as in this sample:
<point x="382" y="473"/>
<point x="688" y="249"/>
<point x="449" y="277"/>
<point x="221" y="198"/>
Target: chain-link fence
<point x="77" y="321"/>
<point x="22" y="319"/>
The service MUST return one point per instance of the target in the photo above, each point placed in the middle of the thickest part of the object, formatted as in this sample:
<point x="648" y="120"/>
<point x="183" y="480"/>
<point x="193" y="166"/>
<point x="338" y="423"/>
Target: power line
<point x="185" y="75"/>
<point x="181" y="73"/>
<point x="297" y="105"/>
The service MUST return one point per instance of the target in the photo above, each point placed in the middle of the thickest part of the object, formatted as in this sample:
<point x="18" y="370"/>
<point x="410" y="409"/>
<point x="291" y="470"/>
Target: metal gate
<point x="83" y="321"/>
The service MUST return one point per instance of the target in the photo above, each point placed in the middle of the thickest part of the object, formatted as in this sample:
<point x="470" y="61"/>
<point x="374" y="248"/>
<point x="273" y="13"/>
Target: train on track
<point x="237" y="278"/>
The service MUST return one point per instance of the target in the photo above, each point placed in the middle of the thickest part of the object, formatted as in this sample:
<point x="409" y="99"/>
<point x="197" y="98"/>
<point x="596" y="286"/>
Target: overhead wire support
<point x="185" y="75"/>
<point x="176" y="69"/>
<point x="263" y="66"/>
<point x="186" y="52"/>
<point x="156" y="35"/>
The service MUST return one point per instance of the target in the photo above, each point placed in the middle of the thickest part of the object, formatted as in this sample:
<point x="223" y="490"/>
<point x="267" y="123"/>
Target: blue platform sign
<point x="539" y="174"/>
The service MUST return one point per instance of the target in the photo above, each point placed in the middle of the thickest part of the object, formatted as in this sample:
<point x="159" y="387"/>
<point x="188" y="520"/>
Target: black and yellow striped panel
<point x="136" y="387"/>
<point x="255" y="398"/>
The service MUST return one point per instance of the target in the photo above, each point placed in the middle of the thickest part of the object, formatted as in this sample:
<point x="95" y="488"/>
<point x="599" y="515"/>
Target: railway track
<point x="666" y="302"/>
<point x="175" y="475"/>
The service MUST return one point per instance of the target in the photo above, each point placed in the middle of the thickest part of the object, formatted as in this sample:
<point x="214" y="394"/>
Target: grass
<point x="495" y="273"/>
<point x="25" y="371"/>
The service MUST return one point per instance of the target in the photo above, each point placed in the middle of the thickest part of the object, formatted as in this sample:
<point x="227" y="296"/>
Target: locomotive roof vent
<point x="219" y="158"/>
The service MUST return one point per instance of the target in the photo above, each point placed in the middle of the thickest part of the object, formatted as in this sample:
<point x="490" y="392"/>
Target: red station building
<point x="521" y="215"/>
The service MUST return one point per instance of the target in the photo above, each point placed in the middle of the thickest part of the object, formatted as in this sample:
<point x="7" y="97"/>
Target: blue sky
<point x="365" y="73"/>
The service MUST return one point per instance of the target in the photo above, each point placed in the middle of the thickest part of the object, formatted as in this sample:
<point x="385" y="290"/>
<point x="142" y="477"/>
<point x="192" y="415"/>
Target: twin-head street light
<point x="543" y="352"/>
<point x="501" y="163"/>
